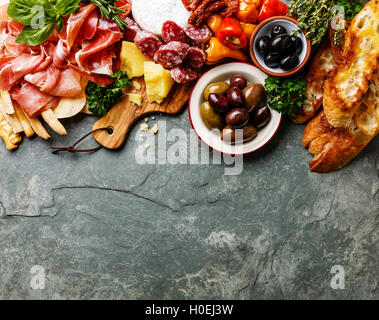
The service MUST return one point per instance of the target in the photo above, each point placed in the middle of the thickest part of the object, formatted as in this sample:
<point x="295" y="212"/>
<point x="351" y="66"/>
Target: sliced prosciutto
<point x="60" y="54"/>
<point x="68" y="85"/>
<point x="17" y="68"/>
<point x="45" y="79"/>
<point x="90" y="59"/>
<point x="31" y="99"/>
<point x="76" y="22"/>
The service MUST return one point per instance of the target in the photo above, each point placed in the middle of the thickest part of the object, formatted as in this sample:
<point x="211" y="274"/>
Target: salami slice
<point x="195" y="58"/>
<point x="182" y="74"/>
<point x="171" y="54"/>
<point x="148" y="43"/>
<point x="172" y="32"/>
<point x="202" y="34"/>
<point x="131" y="30"/>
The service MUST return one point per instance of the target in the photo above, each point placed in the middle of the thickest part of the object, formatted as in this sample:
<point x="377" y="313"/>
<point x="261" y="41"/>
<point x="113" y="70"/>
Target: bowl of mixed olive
<point x="229" y="112"/>
<point x="279" y="48"/>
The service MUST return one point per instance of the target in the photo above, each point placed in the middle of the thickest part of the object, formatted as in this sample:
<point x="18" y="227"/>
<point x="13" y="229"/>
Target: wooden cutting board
<point x="125" y="114"/>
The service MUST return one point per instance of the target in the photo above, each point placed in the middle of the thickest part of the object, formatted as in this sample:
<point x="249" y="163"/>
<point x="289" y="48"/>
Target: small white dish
<point x="213" y="138"/>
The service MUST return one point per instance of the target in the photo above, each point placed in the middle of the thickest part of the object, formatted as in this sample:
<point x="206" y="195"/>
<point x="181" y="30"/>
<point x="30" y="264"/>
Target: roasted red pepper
<point x="272" y="8"/>
<point x="231" y="34"/>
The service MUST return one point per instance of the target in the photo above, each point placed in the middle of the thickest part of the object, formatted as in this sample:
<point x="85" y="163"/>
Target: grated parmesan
<point x="152" y="14"/>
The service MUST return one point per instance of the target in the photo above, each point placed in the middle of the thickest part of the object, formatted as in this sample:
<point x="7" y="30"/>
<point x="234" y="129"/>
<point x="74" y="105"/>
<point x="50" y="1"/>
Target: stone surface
<point x="106" y="227"/>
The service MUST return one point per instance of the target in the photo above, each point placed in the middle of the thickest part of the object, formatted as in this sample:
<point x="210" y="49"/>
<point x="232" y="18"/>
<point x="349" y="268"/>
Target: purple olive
<point x="237" y="118"/>
<point x="235" y="97"/>
<point x="218" y="102"/>
<point x="261" y="117"/>
<point x="238" y="81"/>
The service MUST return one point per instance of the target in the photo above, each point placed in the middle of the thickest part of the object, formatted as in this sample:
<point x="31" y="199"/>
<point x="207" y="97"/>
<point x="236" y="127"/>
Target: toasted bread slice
<point x="347" y="85"/>
<point x="322" y="64"/>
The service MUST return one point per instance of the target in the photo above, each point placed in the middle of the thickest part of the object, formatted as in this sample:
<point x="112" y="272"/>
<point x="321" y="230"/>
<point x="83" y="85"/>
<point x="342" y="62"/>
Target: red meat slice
<point x="17" y="68"/>
<point x="31" y="99"/>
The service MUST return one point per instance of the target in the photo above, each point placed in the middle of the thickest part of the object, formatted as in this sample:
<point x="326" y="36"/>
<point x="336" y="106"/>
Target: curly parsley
<point x="286" y="96"/>
<point x="101" y="98"/>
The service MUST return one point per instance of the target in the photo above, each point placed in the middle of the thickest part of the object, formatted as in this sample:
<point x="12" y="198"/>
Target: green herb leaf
<point x="66" y="7"/>
<point x="102" y="98"/>
<point x="34" y="37"/>
<point x="352" y="7"/>
<point x="286" y="96"/>
<point x="25" y="11"/>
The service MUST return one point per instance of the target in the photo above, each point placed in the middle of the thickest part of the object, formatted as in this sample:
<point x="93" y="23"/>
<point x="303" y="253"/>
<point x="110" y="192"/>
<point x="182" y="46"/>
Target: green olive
<point x="229" y="134"/>
<point x="217" y="87"/>
<point x="211" y="118"/>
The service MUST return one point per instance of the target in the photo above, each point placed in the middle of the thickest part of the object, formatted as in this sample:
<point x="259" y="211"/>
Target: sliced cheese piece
<point x="135" y="98"/>
<point x="132" y="60"/>
<point x="69" y="107"/>
<point x="158" y="82"/>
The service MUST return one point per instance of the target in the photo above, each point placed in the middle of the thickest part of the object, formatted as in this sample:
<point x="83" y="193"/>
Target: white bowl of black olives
<point x="229" y="112"/>
<point x="279" y="48"/>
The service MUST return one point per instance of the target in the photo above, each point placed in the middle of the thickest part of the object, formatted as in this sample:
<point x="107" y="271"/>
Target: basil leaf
<point x="26" y="12"/>
<point x="34" y="37"/>
<point x="65" y="7"/>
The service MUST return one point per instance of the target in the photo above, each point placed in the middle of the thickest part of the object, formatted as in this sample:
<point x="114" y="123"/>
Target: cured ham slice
<point x="17" y="68"/>
<point x="76" y="21"/>
<point x="12" y="48"/>
<point x="31" y="99"/>
<point x="3" y="16"/>
<point x="60" y="54"/>
<point x="102" y="40"/>
<point x="88" y="29"/>
<point x="68" y="85"/>
<point x="98" y="78"/>
<point x="45" y="79"/>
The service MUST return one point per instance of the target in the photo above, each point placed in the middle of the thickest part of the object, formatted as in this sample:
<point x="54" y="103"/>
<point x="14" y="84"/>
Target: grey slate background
<point x="105" y="227"/>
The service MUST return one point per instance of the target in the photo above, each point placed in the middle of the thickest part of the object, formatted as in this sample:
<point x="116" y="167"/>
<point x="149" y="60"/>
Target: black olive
<point x="278" y="30"/>
<point x="298" y="44"/>
<point x="289" y="62"/>
<point x="262" y="44"/>
<point x="276" y="45"/>
<point x="271" y="61"/>
<point x="288" y="46"/>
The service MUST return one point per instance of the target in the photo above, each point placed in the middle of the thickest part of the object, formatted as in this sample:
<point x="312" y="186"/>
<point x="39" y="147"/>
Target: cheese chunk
<point x="135" y="98"/>
<point x="132" y="60"/>
<point x="158" y="82"/>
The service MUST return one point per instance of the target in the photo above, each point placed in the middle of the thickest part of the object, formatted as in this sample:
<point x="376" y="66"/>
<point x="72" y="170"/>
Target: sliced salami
<point x="171" y="54"/>
<point x="148" y="43"/>
<point x="172" y="32"/>
<point x="200" y="34"/>
<point x="195" y="58"/>
<point x="183" y="74"/>
<point x="131" y="30"/>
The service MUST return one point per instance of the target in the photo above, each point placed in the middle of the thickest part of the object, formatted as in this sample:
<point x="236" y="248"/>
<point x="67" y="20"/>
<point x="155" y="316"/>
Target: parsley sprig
<point x="286" y="96"/>
<point x="101" y="98"/>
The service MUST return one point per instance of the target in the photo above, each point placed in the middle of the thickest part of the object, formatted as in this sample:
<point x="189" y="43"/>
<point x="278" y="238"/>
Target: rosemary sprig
<point x="110" y="12"/>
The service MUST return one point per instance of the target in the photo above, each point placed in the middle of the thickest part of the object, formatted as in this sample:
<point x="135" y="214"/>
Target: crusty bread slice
<point x="346" y="86"/>
<point x="322" y="64"/>
<point x="335" y="147"/>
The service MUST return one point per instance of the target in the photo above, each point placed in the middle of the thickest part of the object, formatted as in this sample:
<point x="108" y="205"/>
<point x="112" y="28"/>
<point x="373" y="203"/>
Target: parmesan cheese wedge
<point x="132" y="60"/>
<point x="158" y="82"/>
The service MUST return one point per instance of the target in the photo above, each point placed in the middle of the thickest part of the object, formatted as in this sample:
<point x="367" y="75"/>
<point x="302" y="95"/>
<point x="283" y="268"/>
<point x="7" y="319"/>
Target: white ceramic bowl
<point x="212" y="138"/>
